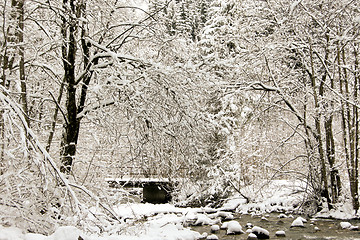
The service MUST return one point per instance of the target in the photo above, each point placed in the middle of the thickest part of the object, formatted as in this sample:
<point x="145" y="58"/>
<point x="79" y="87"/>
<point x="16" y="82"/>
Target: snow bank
<point x="150" y="231"/>
<point x="273" y="196"/>
<point x="341" y="211"/>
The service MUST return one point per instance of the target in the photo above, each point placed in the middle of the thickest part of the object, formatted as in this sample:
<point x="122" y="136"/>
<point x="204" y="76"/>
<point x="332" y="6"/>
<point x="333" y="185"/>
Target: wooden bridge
<point x="155" y="190"/>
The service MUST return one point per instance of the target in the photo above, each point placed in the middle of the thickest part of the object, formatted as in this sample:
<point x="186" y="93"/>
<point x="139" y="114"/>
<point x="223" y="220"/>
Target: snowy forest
<point x="223" y="97"/>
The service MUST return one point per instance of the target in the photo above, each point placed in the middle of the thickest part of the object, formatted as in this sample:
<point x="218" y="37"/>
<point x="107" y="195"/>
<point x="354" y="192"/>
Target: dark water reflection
<point x="327" y="229"/>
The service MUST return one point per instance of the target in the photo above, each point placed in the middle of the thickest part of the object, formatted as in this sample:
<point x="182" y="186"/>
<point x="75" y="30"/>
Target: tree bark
<point x="19" y="6"/>
<point x="318" y="136"/>
<point x="71" y="126"/>
<point x="349" y="128"/>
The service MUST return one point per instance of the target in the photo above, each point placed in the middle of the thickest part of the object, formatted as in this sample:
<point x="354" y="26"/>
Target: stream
<point x="327" y="228"/>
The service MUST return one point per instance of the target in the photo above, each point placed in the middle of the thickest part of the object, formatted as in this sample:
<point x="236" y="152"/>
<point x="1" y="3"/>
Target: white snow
<point x="260" y="231"/>
<point x="212" y="237"/>
<point x="342" y="211"/>
<point x="225" y="215"/>
<point x="272" y="196"/>
<point x="165" y="221"/>
<point x="234" y="227"/>
<point x="215" y="228"/>
<point x="345" y="225"/>
<point x="224" y="225"/>
<point x="297" y="222"/>
<point x="280" y="234"/>
<point x="252" y="236"/>
<point x="168" y="232"/>
<point x="202" y="219"/>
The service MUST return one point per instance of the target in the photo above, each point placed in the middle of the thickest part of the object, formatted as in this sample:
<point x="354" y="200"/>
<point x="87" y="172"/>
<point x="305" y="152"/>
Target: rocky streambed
<point x="280" y="226"/>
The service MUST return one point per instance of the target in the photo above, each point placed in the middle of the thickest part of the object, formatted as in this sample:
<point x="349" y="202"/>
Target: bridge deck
<point x="136" y="182"/>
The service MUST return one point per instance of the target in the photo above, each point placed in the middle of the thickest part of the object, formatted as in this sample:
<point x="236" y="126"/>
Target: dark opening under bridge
<point x="155" y="190"/>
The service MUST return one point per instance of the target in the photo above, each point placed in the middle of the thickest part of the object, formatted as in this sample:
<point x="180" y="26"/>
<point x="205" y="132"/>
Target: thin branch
<point x="59" y="107"/>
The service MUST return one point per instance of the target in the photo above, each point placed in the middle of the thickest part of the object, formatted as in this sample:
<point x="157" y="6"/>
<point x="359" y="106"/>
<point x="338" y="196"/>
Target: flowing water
<point x="327" y="228"/>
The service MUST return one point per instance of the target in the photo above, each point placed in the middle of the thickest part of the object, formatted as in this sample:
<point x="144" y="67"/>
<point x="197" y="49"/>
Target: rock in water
<point x="260" y="233"/>
<point x="280" y="234"/>
<point x="249" y="225"/>
<point x="202" y="219"/>
<point x="252" y="237"/>
<point x="226" y="215"/>
<point x="234" y="227"/>
<point x="215" y="228"/>
<point x="345" y="225"/>
<point x="297" y="222"/>
<point x="354" y="228"/>
<point x="212" y="237"/>
<point x="224" y="225"/>
<point x="302" y="219"/>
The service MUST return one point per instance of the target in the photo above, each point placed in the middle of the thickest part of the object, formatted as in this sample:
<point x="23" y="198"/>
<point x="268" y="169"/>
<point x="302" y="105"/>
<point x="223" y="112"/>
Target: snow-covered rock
<point x="252" y="236"/>
<point x="316" y="229"/>
<point x="280" y="234"/>
<point x="202" y="219"/>
<point x="215" y="228"/>
<point x="298" y="222"/>
<point x="225" y="215"/>
<point x="249" y="225"/>
<point x="282" y="215"/>
<point x="354" y="228"/>
<point x="302" y="219"/>
<point x="234" y="227"/>
<point x="224" y="225"/>
<point x="345" y="225"/>
<point x="212" y="237"/>
<point x="261" y="233"/>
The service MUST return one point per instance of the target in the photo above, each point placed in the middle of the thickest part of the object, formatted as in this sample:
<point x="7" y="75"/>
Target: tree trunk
<point x="71" y="126"/>
<point x="73" y="108"/>
<point x="350" y="128"/>
<point x="319" y="140"/>
<point x="329" y="136"/>
<point x="21" y="49"/>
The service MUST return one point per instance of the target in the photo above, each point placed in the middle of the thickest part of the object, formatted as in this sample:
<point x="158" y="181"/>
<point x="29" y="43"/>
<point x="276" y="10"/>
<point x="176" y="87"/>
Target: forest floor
<point x="166" y="221"/>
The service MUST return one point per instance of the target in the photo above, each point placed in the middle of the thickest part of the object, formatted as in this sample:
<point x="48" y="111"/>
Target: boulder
<point x="252" y="236"/>
<point x="260" y="233"/>
<point x="345" y="225"/>
<point x="215" y="228"/>
<point x="212" y="237"/>
<point x="298" y="222"/>
<point x="234" y="227"/>
<point x="280" y="234"/>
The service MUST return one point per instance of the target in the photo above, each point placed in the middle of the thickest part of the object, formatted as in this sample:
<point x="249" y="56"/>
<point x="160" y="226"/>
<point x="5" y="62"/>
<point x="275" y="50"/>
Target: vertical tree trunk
<point x="355" y="192"/>
<point x="71" y="127"/>
<point x="19" y="5"/>
<point x="350" y="135"/>
<point x="73" y="108"/>
<point x="319" y="139"/>
<point x="329" y="137"/>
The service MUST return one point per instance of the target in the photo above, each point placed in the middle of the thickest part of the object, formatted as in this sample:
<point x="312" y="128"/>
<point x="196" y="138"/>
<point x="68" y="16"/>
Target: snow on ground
<point x="342" y="211"/>
<point x="166" y="221"/>
<point x="273" y="196"/>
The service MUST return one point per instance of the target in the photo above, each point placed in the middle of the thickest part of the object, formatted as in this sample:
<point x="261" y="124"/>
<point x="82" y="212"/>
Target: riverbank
<point x="166" y="221"/>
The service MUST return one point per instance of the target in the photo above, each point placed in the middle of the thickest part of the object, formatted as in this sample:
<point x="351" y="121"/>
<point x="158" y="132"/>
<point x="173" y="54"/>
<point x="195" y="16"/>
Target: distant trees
<point x="304" y="57"/>
<point x="300" y="59"/>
